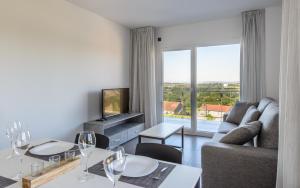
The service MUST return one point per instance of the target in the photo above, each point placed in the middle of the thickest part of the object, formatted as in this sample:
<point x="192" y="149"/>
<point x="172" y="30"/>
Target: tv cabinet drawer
<point x="93" y="127"/>
<point x="118" y="139"/>
<point x="134" y="131"/>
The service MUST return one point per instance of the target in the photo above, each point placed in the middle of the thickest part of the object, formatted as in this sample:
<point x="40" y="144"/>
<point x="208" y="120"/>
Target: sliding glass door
<point x="200" y="85"/>
<point x="218" y="83"/>
<point x="177" y="87"/>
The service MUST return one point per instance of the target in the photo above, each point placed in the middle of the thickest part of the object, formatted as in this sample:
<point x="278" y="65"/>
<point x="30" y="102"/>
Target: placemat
<point x="5" y="182"/>
<point x="146" y="181"/>
<point x="46" y="157"/>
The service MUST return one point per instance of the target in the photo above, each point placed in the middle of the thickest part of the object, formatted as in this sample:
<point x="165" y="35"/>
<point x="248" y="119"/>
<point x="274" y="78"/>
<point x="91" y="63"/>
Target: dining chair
<point x="102" y="141"/>
<point x="159" y="152"/>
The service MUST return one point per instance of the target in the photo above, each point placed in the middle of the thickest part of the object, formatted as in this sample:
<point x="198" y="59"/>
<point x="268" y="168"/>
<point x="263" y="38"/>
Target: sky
<point x="214" y="63"/>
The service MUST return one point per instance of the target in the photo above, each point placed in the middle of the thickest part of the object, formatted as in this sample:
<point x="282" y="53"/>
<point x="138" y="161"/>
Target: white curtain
<point x="142" y="75"/>
<point x="253" y="56"/>
<point x="288" y="172"/>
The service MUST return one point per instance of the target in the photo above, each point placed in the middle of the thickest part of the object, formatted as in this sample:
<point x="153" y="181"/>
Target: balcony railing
<point x="212" y="103"/>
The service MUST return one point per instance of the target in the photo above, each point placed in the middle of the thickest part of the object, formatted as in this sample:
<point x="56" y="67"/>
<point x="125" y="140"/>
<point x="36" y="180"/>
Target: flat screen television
<point x="114" y="102"/>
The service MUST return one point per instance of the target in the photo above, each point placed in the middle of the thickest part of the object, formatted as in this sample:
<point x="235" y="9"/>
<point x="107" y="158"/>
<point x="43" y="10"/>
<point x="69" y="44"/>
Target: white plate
<point x="138" y="166"/>
<point x="51" y="148"/>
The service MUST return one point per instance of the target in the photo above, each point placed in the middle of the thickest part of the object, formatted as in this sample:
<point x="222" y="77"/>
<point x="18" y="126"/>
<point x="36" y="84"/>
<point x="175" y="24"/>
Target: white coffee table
<point x="162" y="132"/>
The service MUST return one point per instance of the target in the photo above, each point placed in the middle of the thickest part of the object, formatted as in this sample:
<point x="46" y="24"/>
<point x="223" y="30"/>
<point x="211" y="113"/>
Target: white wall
<point x="54" y="60"/>
<point x="273" y="41"/>
<point x="201" y="34"/>
<point x="225" y="31"/>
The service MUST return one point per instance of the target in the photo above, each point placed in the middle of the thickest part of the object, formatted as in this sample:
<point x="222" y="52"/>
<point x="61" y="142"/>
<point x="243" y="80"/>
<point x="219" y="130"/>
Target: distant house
<point x="172" y="107"/>
<point x="215" y="108"/>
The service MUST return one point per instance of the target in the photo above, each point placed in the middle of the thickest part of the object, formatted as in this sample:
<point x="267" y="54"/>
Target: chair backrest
<point x="101" y="141"/>
<point x="159" y="152"/>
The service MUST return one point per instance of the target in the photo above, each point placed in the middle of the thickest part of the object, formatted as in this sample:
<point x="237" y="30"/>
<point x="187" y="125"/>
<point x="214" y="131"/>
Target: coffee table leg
<point x="182" y="138"/>
<point x="140" y="139"/>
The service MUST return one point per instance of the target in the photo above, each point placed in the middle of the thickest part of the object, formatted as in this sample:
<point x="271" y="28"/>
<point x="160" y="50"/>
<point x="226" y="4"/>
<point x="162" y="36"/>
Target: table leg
<point x="163" y="141"/>
<point x="182" y="138"/>
<point x="140" y="139"/>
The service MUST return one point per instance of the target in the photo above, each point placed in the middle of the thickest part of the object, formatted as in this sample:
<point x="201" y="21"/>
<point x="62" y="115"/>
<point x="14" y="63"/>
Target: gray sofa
<point x="253" y="165"/>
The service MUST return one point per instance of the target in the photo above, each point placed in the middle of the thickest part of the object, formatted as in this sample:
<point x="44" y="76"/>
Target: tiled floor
<point x="192" y="147"/>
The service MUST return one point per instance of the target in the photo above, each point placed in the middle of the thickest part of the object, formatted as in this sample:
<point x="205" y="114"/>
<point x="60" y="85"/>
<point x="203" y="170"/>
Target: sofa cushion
<point x="242" y="134"/>
<point x="217" y="137"/>
<point x="268" y="137"/>
<point x="237" y="112"/>
<point x="263" y="103"/>
<point x="225" y="127"/>
<point x="252" y="114"/>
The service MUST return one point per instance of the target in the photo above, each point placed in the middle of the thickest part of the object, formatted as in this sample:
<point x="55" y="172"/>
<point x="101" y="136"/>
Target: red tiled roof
<point x="215" y="107"/>
<point x="170" y="106"/>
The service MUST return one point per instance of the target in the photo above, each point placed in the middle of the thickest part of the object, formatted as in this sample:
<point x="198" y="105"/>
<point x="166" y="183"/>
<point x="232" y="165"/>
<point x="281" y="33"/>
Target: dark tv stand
<point x="118" y="129"/>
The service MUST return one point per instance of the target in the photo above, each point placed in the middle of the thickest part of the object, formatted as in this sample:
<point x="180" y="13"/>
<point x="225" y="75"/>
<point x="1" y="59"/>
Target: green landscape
<point x="207" y="93"/>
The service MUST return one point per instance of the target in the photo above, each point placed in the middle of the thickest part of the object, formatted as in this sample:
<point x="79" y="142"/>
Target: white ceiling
<point x="138" y="13"/>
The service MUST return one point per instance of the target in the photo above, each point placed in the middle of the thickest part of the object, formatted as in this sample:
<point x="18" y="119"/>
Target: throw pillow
<point x="252" y="114"/>
<point x="242" y="134"/>
<point x="237" y="112"/>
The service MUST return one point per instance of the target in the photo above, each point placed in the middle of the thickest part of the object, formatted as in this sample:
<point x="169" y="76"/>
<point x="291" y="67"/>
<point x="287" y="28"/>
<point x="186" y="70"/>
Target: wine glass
<point x="114" y="165"/>
<point x="10" y="133"/>
<point x="22" y="143"/>
<point x="86" y="144"/>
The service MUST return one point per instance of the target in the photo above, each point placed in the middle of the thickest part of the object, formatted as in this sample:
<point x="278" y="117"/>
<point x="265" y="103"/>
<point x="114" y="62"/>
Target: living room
<point x="197" y="93"/>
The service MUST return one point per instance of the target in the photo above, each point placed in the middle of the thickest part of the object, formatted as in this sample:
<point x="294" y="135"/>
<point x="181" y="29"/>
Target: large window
<point x="198" y="91"/>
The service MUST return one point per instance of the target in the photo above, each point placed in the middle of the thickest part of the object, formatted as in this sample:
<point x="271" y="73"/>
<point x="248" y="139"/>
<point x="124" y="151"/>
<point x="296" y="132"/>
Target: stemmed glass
<point x="22" y="143"/>
<point x="10" y="132"/>
<point x="86" y="144"/>
<point x="114" y="165"/>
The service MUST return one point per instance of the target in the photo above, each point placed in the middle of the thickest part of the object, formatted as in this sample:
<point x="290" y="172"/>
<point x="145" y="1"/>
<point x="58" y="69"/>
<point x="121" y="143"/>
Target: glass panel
<point x="218" y="83"/>
<point x="177" y="87"/>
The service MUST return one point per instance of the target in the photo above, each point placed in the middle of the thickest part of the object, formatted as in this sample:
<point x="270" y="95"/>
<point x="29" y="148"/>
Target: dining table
<point x="182" y="176"/>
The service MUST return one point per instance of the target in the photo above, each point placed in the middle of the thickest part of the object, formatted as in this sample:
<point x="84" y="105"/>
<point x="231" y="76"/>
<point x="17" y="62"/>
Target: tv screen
<point x="115" y="102"/>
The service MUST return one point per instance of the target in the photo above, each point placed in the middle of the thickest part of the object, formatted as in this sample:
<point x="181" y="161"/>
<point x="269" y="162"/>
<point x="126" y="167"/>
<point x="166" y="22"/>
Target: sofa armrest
<point x="233" y="166"/>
